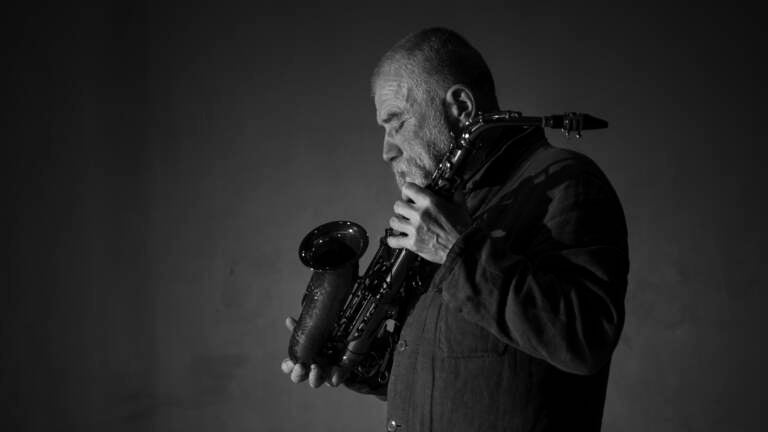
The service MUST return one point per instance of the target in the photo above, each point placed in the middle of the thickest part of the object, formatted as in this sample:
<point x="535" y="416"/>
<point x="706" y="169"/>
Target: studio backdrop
<point x="165" y="162"/>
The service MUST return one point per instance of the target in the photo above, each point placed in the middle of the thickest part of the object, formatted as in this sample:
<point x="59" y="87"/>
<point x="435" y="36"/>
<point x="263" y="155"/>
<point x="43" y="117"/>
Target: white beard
<point x="437" y="141"/>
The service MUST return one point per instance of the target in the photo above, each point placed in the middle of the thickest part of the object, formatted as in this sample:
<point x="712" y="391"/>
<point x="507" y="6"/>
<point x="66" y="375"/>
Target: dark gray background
<point x="165" y="162"/>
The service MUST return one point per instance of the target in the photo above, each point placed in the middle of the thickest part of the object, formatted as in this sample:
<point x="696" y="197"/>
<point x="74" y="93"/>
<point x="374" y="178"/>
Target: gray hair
<point x="436" y="58"/>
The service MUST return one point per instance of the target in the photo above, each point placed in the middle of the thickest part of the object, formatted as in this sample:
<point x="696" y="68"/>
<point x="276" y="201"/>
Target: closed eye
<point x="400" y="125"/>
<point x="394" y="121"/>
<point x="392" y="116"/>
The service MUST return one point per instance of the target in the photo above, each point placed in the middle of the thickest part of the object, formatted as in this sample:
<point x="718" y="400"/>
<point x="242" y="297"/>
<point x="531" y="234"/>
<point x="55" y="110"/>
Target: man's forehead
<point x="390" y="88"/>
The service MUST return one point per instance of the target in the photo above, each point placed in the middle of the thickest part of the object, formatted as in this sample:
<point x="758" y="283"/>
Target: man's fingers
<point x="316" y="376"/>
<point x="333" y="379"/>
<point x="290" y="323"/>
<point x="287" y="366"/>
<point x="299" y="373"/>
<point x="417" y="194"/>
<point x="405" y="210"/>
<point x="400" y="225"/>
<point x="338" y="375"/>
<point x="398" y="242"/>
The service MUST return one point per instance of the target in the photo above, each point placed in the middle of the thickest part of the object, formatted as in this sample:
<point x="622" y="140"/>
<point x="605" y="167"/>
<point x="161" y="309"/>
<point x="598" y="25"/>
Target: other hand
<point x="316" y="374"/>
<point x="429" y="225"/>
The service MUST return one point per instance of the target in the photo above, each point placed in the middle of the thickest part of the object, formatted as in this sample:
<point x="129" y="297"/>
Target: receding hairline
<point x="434" y="59"/>
<point x="411" y="69"/>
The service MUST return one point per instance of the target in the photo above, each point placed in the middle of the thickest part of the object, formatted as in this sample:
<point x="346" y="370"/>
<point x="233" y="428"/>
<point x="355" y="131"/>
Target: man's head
<point x="427" y="86"/>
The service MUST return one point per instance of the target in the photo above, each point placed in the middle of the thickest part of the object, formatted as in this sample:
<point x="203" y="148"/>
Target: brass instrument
<point x="355" y="322"/>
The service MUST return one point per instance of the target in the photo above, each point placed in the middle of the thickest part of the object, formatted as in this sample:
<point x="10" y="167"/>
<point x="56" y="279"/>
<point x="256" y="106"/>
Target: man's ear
<point x="460" y="104"/>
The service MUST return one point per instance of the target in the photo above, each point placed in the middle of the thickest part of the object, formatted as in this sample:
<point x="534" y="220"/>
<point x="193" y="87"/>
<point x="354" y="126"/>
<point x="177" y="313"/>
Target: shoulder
<point x="551" y="166"/>
<point x="580" y="203"/>
<point x="551" y="159"/>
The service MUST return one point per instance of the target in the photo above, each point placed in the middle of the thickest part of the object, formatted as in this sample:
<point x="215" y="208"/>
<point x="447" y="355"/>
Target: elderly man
<point x="517" y="328"/>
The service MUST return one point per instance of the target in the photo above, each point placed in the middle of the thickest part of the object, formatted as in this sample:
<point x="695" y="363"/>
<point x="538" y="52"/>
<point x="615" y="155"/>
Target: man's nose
<point x="390" y="151"/>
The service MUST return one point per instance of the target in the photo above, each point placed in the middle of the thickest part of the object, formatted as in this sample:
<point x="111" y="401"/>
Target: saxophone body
<point x="350" y="321"/>
<point x="355" y="322"/>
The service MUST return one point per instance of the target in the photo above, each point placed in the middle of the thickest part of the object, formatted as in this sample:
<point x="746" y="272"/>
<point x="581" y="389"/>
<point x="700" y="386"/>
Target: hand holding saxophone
<point x="428" y="224"/>
<point x="316" y="374"/>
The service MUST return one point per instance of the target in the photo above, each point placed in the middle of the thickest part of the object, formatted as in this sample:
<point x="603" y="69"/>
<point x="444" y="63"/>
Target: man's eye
<point x="400" y="125"/>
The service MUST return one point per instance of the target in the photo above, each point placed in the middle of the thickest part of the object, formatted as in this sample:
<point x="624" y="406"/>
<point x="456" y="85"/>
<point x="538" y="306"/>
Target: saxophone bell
<point x="332" y="251"/>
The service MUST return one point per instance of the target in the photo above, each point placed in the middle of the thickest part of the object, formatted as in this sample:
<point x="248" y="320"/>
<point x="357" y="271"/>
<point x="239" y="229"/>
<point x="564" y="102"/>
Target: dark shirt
<point x="519" y="324"/>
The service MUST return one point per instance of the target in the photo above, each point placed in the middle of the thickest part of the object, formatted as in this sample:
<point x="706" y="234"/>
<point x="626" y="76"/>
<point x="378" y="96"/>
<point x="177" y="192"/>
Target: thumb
<point x="290" y="323"/>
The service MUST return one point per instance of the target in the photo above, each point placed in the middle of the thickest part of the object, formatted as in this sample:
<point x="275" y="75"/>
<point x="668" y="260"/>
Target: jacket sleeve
<point x="553" y="285"/>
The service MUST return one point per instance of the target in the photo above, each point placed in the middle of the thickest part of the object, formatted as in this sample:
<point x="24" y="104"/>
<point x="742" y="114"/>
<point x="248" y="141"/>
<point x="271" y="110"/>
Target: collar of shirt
<point x="500" y="152"/>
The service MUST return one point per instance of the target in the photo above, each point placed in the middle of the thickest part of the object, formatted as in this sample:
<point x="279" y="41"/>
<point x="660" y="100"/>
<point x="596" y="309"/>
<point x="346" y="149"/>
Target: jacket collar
<point x="500" y="151"/>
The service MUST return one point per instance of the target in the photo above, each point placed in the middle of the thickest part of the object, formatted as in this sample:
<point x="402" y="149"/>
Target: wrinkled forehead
<point x="390" y="88"/>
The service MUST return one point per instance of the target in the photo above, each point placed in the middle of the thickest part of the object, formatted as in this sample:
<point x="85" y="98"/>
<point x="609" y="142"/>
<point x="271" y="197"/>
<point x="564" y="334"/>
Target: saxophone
<point x="355" y="322"/>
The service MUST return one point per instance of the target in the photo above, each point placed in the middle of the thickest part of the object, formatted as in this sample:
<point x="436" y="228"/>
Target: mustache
<point x="413" y="175"/>
<point x="400" y="177"/>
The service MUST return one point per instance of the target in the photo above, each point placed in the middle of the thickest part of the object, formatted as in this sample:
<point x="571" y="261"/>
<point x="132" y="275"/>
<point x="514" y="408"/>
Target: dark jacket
<point x="518" y="326"/>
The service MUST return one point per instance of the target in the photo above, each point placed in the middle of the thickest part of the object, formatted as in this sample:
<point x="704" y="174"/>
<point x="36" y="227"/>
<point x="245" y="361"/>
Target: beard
<point x="435" y="142"/>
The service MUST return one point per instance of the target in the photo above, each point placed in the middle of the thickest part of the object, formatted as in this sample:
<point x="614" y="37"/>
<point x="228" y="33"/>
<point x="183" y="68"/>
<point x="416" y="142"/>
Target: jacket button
<point x="392" y="426"/>
<point x="402" y="345"/>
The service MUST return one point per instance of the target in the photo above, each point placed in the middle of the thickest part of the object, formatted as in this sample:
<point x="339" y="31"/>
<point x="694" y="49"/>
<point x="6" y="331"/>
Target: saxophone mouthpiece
<point x="574" y="122"/>
<point x="591" y="122"/>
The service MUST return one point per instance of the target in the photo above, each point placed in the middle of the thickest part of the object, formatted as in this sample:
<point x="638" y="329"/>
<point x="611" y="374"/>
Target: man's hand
<point x="316" y="374"/>
<point x="429" y="225"/>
